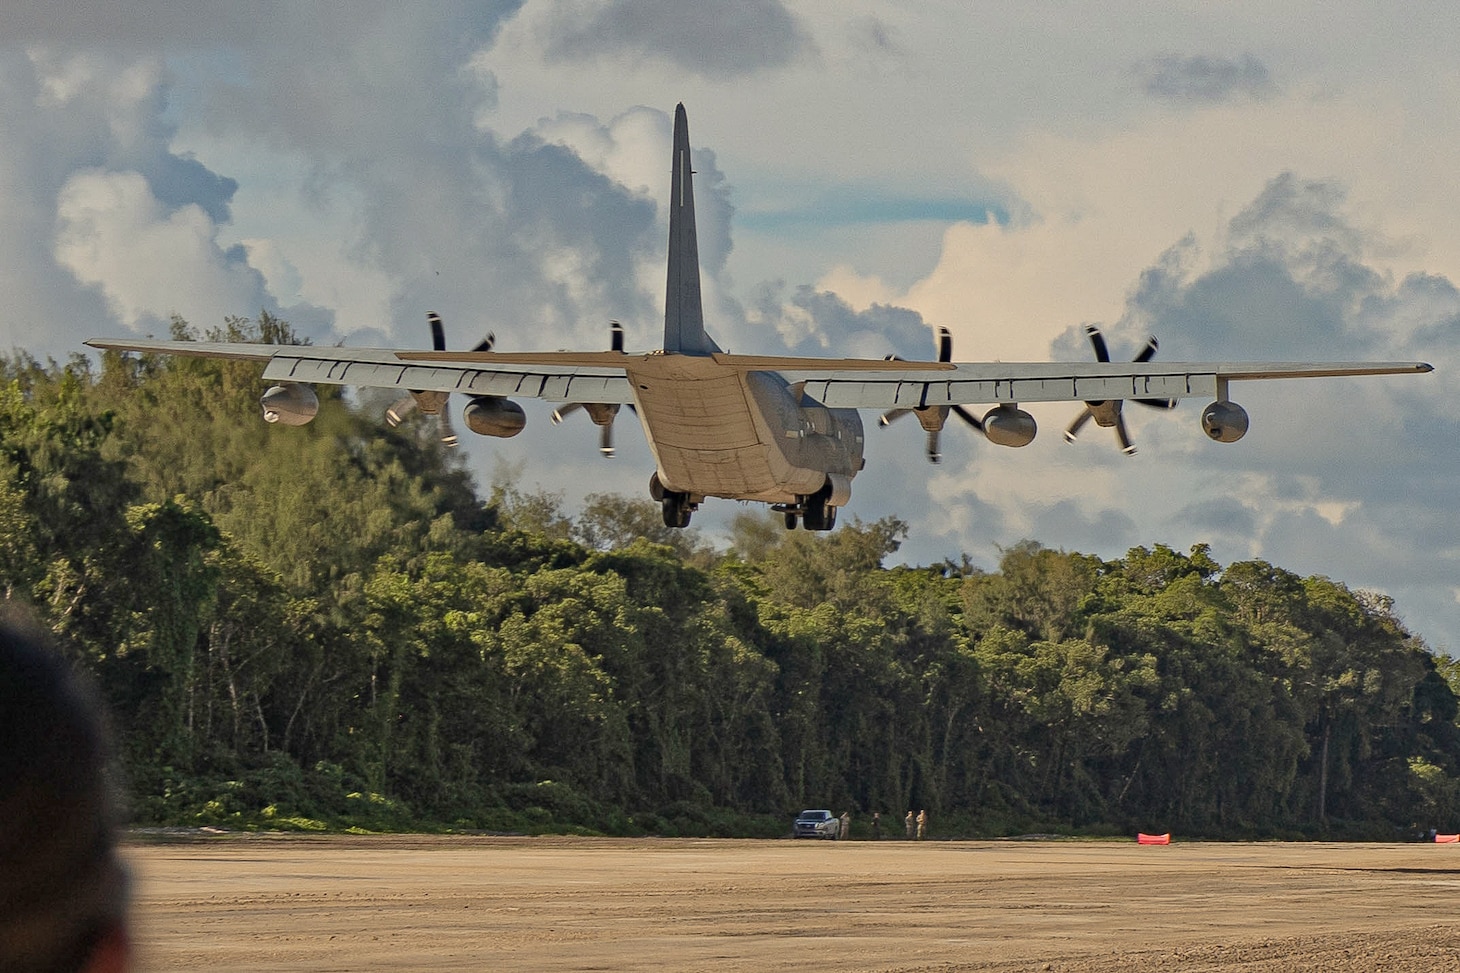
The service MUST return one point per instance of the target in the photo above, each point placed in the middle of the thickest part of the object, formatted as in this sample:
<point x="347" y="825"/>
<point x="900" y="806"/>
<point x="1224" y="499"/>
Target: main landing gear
<point x="677" y="507"/>
<point x="813" y="511"/>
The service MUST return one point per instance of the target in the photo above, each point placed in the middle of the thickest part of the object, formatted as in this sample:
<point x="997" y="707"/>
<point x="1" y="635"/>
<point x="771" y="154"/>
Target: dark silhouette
<point x="63" y="890"/>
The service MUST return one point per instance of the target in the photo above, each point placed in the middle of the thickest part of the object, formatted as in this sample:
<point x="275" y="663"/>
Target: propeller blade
<point x="934" y="415"/>
<point x="968" y="417"/>
<point x="438" y="331"/>
<point x="887" y="417"/>
<point x="486" y="343"/>
<point x="602" y="415"/>
<point x="566" y="410"/>
<point x="1147" y="353"/>
<point x="448" y="432"/>
<point x="1075" y="426"/>
<point x="1126" y="446"/>
<point x="1102" y="353"/>
<point x="401" y="408"/>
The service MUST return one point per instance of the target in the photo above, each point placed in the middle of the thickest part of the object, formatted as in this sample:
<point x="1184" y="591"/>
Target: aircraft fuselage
<point x="747" y="435"/>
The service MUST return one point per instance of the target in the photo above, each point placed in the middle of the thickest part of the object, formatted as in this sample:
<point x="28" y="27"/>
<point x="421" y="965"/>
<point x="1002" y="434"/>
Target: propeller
<point x="933" y="417"/>
<point x="1108" y="414"/>
<point x="602" y="413"/>
<point x="433" y="403"/>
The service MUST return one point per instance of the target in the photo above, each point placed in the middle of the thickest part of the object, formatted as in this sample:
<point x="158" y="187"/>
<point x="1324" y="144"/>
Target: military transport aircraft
<point x="774" y="429"/>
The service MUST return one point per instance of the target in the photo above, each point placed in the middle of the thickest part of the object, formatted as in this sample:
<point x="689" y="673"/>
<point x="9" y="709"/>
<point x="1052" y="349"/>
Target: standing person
<point x="922" y="824"/>
<point x="63" y="890"/>
<point x="876" y="825"/>
<point x="844" y="831"/>
<point x="907" y="823"/>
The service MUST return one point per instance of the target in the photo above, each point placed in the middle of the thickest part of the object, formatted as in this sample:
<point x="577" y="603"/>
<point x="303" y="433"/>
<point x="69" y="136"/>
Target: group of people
<point x="915" y="824"/>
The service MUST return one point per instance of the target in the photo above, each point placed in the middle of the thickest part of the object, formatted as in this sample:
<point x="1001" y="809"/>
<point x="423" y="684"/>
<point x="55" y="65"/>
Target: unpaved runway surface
<point x="405" y="903"/>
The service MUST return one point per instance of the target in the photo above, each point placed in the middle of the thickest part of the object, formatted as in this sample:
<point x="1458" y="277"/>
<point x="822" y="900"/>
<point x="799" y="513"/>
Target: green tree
<point x="609" y="522"/>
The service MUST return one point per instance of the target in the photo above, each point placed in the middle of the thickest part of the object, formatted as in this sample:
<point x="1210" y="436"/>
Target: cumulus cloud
<point x="1202" y="80"/>
<point x="103" y="217"/>
<point x="818" y="323"/>
<point x="371" y="186"/>
<point x="112" y="233"/>
<point x="629" y="148"/>
<point x="126" y="99"/>
<point x="715" y="40"/>
<point x="106" y="218"/>
<point x="1290" y="274"/>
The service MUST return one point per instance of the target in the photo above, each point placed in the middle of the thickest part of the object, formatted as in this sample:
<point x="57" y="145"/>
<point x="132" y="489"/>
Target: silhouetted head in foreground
<point x="63" y="890"/>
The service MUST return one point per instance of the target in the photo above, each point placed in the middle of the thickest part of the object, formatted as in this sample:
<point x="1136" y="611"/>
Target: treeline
<point x="328" y="626"/>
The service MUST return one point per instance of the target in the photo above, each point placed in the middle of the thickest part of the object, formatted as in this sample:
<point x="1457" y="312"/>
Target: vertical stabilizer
<point x="684" y="316"/>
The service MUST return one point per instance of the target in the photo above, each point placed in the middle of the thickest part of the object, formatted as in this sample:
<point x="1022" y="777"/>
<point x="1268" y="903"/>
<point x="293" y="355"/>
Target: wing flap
<point x="550" y="379"/>
<point x="554" y="384"/>
<point x="904" y="393"/>
<point x="1063" y="382"/>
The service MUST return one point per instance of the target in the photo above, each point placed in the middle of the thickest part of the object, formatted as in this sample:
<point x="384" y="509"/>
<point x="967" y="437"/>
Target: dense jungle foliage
<point x="328" y="627"/>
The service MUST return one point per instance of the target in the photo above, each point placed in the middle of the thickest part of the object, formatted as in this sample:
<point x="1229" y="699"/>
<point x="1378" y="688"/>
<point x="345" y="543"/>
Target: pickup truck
<point x="816" y="824"/>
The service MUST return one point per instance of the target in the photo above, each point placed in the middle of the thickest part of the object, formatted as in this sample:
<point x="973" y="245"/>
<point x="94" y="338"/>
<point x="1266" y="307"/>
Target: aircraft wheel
<point x="676" y="509"/>
<point x="790" y="520"/>
<point x="815" y="516"/>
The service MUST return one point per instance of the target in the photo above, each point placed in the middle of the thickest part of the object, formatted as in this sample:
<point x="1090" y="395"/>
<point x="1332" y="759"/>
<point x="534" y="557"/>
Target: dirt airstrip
<point x="465" y="903"/>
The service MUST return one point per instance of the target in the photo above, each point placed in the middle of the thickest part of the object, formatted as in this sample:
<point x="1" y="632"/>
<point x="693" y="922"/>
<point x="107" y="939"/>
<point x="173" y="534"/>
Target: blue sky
<point x="1225" y="176"/>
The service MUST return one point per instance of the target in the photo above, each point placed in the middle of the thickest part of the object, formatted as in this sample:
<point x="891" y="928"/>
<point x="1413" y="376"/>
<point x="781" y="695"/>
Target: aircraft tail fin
<point x="684" y="317"/>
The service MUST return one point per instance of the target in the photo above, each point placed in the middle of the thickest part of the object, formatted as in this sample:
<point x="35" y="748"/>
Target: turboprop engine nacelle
<point x="291" y="404"/>
<point x="487" y="415"/>
<point x="1009" y="425"/>
<point x="1226" y="422"/>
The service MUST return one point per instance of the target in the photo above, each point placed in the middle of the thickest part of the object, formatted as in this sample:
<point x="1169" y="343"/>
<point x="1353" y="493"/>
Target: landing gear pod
<point x="487" y="415"/>
<point x="291" y="404"/>
<point x="1226" y="422"/>
<point x="1009" y="425"/>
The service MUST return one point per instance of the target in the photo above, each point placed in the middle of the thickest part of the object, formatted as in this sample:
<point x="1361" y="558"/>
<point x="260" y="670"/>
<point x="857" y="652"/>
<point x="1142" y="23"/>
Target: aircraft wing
<point x="601" y="376"/>
<point x="970" y="383"/>
<point x="590" y="377"/>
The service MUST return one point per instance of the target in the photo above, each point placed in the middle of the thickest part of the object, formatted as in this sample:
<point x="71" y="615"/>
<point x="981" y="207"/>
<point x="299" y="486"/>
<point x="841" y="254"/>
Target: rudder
<point x="684" y="318"/>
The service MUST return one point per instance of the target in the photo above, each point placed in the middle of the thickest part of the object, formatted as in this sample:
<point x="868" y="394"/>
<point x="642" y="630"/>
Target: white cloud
<point x="282" y="277"/>
<point x="113" y="234"/>
<point x="1101" y="209"/>
<point x="630" y="148"/>
<point x="719" y="41"/>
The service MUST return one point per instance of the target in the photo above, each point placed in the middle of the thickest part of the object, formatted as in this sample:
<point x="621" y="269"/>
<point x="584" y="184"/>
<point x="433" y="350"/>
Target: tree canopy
<point x="329" y="626"/>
